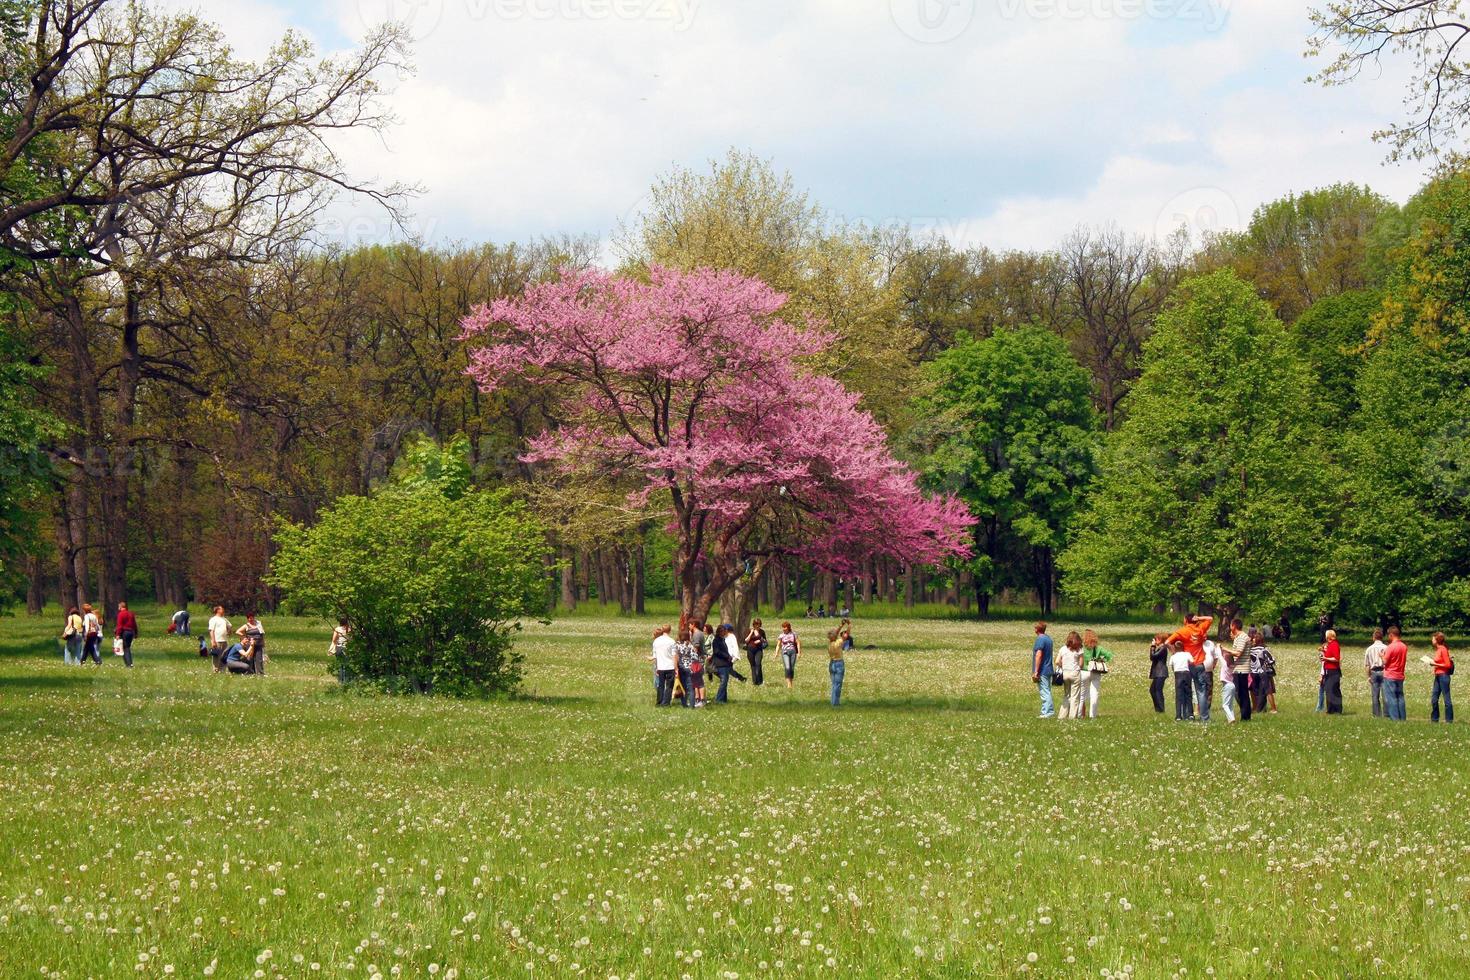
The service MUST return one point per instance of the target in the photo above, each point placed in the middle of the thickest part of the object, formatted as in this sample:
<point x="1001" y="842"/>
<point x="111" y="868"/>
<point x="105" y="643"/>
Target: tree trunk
<point x="35" y="585"/>
<point x="779" y="588"/>
<point x="870" y="567"/>
<point x="625" y="580"/>
<point x="910" y="584"/>
<point x="568" y="578"/>
<point x="737" y="605"/>
<point x="640" y="578"/>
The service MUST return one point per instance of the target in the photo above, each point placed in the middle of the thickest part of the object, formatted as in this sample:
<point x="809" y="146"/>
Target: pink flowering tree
<point x="689" y="391"/>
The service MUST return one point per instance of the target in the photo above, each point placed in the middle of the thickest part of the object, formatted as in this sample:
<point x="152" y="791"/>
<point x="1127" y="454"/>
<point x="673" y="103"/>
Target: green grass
<point x="166" y="821"/>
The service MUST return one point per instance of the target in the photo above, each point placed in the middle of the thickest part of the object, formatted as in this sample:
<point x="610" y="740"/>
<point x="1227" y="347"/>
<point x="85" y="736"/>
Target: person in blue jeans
<point x="837" y="667"/>
<point x="1041" y="669"/>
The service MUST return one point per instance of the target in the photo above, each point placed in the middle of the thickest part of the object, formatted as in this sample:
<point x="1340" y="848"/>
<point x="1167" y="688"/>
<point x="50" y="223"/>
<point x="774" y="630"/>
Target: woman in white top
<point x="91" y="635"/>
<point x="1069" y="657"/>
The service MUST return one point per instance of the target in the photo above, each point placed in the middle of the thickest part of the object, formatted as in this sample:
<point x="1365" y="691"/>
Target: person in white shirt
<point x="1373" y="664"/>
<point x="1216" y="656"/>
<point x="665" y="662"/>
<point x="1069" y="658"/>
<point x="219" y="637"/>
<point x="1179" y="664"/>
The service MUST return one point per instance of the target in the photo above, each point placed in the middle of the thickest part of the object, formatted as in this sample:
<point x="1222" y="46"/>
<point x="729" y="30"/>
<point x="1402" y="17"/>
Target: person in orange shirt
<point x="1444" y="668"/>
<point x="1192" y="636"/>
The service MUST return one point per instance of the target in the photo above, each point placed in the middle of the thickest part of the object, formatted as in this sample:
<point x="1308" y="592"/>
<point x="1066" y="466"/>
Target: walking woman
<point x="1444" y="669"/>
<point x="1263" y="673"/>
<point x="721" y="662"/>
<point x="91" y="634"/>
<point x="1158" y="671"/>
<point x="1070" y="658"/>
<point x="71" y="638"/>
<point x="790" y="646"/>
<point x="755" y="649"/>
<point x="125" y="628"/>
<point x="1332" y="672"/>
<point x="1096" y="662"/>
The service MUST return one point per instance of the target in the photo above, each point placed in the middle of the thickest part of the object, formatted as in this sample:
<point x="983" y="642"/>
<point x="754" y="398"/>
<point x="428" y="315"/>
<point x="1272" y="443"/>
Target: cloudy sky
<point x="1003" y="122"/>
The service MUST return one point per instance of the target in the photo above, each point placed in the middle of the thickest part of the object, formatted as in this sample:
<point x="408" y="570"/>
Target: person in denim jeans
<point x="1395" y="659"/>
<point x="1444" y="665"/>
<point x="836" y="667"/>
<point x="1041" y="669"/>
<point x="71" y="638"/>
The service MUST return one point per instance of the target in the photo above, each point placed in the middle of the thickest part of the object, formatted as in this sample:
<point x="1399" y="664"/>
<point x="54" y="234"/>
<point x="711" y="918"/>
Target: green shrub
<point x="434" y="588"/>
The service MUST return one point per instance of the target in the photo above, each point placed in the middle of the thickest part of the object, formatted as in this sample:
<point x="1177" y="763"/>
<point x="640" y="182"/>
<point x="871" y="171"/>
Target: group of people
<point x="245" y="654"/>
<point x="1245" y="670"/>
<point x="83" y="630"/>
<point x="681" y="660"/>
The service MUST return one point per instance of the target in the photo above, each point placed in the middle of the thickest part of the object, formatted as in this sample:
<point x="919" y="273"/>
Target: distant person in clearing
<point x="836" y="666"/>
<point x="1158" y="670"/>
<point x="790" y="646"/>
<point x="1444" y="669"/>
<point x="125" y="628"/>
<point x="1395" y="660"/>
<point x="219" y="637"/>
<point x="1373" y="667"/>
<point x="1041" y="669"/>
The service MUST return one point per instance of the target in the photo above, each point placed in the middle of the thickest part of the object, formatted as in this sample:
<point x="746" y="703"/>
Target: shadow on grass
<point x="44" y="682"/>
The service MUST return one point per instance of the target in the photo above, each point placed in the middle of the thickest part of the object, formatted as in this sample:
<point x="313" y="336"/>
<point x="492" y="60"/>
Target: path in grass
<point x="166" y="821"/>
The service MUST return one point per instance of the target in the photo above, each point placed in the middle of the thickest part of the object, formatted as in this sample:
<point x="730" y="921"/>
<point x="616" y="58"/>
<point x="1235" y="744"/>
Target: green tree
<point x="1217" y="487"/>
<point x="435" y="588"/>
<point x="24" y="468"/>
<point x="1330" y="336"/>
<point x="1011" y="430"/>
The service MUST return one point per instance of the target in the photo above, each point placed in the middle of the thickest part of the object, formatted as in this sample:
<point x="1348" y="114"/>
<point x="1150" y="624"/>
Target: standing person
<point x="836" y="666"/>
<point x="125" y="628"/>
<point x="218" y="629"/>
<point x="721" y="663"/>
<point x="1444" y="669"/>
<point x="685" y="651"/>
<point x="697" y="664"/>
<point x="1041" y="669"/>
<point x="1158" y="670"/>
<point x="1179" y="664"/>
<point x="1332" y="672"/>
<point x="1211" y="665"/>
<point x="1395" y="660"/>
<point x="755" y="651"/>
<point x="1373" y="665"/>
<point x="337" y="647"/>
<point x="1192" y="637"/>
<point x="91" y="634"/>
<point x="254" y="631"/>
<point x="1096" y="661"/>
<point x="1263" y="673"/>
<point x="665" y="664"/>
<point x="1070" y="660"/>
<point x="1240" y="667"/>
<point x="790" y="646"/>
<point x="71" y="638"/>
<point x="1225" y="666"/>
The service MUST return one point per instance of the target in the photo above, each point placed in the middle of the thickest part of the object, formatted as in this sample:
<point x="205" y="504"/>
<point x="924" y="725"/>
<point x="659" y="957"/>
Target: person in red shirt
<point x="1332" y="673"/>
<point x="1395" y="659"/>
<point x="125" y="628"/>
<point x="1192" y="636"/>
<point x="1444" y="667"/>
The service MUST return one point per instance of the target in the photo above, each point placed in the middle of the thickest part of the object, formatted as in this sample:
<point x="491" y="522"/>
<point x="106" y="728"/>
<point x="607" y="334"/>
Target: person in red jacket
<point x="125" y="628"/>
<point x="1332" y="673"/>
<point x="1395" y="659"/>
<point x="1444" y="666"/>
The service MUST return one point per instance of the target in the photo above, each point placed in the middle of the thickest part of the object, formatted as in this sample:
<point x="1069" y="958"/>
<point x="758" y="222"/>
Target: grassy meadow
<point x="169" y="822"/>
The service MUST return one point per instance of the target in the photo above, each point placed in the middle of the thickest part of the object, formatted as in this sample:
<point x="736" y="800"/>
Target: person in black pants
<point x="721" y="663"/>
<point x="1240" y="665"/>
<point x="1183" y="683"/>
<point x="1158" y="671"/>
<point x="755" y="649"/>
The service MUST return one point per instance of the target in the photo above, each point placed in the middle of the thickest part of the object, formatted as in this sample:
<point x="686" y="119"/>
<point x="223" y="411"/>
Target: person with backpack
<point x="755" y="651"/>
<point x="1263" y="674"/>
<point x="1444" y="669"/>
<point x="1373" y="666"/>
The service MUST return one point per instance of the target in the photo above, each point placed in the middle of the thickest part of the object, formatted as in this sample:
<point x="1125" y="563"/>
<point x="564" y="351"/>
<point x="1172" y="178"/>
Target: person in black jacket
<point x="720" y="662"/>
<point x="755" y="649"/>
<point x="1158" y="670"/>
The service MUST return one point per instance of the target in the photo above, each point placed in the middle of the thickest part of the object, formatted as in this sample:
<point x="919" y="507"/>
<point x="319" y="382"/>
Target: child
<point x="1158" y="670"/>
<point x="1179" y="662"/>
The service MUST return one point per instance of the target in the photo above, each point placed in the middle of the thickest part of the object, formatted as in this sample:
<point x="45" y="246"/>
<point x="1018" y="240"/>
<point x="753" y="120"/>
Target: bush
<point x="434" y="588"/>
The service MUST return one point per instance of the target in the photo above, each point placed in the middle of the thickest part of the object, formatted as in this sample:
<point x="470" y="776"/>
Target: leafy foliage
<point x="1011" y="431"/>
<point x="1218" y="486"/>
<point x="434" y="587"/>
